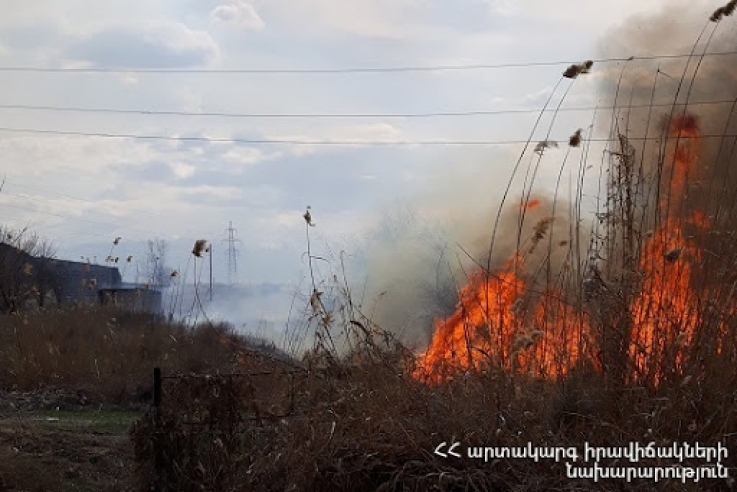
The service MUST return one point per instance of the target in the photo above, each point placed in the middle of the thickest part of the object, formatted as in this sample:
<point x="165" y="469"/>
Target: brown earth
<point x="65" y="451"/>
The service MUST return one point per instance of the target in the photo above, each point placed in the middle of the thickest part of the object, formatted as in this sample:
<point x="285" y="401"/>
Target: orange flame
<point x="490" y="328"/>
<point x="684" y="133"/>
<point x="664" y="313"/>
<point x="500" y="323"/>
<point x="473" y="333"/>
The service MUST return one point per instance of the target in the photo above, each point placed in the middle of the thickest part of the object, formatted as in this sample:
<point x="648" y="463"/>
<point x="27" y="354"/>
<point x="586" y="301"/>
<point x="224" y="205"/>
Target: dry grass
<point x="107" y="352"/>
<point x="656" y="289"/>
<point x="372" y="428"/>
<point x="656" y="365"/>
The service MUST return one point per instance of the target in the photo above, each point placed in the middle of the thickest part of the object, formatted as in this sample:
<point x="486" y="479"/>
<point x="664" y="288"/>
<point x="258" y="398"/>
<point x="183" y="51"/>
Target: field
<point x="568" y="329"/>
<point x="366" y="423"/>
<point x="73" y="450"/>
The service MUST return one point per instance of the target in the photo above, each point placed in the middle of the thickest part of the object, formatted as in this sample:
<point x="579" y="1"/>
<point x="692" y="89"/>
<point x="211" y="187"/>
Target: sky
<point x="81" y="192"/>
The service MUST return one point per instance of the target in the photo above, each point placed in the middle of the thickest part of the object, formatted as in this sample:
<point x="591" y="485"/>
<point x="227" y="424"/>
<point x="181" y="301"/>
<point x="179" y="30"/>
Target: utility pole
<point x="232" y="253"/>
<point x="210" y="272"/>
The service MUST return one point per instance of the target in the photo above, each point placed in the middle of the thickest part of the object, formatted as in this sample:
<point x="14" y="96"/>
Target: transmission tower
<point x="232" y="253"/>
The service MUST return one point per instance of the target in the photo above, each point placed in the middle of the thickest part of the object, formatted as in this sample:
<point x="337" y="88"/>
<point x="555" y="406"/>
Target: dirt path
<point x="67" y="451"/>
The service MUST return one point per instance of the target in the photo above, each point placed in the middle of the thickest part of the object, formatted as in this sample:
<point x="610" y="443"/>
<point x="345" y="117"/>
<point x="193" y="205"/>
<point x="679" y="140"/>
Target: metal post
<point x="158" y="455"/>
<point x="157" y="387"/>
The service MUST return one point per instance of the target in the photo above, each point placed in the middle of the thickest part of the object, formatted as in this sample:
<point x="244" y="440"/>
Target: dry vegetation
<point x="631" y="338"/>
<point x="373" y="428"/>
<point x="107" y="354"/>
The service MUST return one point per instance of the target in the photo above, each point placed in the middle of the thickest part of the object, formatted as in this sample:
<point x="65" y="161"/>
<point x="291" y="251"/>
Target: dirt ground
<point x="80" y="449"/>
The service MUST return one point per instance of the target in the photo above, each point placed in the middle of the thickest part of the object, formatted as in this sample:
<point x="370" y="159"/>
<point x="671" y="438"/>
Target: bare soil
<point x="64" y="450"/>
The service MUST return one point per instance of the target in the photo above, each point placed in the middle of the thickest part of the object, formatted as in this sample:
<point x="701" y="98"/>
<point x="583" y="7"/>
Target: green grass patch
<point x="113" y="422"/>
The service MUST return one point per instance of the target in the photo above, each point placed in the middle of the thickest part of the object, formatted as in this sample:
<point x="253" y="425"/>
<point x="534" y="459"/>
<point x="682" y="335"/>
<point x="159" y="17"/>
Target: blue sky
<point x="82" y="192"/>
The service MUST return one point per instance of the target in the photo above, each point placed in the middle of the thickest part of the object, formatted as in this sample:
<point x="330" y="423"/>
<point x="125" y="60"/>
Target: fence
<point x="199" y="422"/>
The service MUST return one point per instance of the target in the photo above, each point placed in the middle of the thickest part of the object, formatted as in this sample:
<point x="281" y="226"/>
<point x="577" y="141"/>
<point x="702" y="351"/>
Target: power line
<point x="49" y="200"/>
<point x="45" y="227"/>
<point x="72" y="197"/>
<point x="27" y="107"/>
<point x="386" y="143"/>
<point x="354" y="70"/>
<point x="63" y="216"/>
<point x="19" y="207"/>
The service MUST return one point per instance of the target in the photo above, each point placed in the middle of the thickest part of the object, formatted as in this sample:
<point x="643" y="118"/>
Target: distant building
<point x="133" y="297"/>
<point x="68" y="282"/>
<point x="97" y="284"/>
<point x="82" y="282"/>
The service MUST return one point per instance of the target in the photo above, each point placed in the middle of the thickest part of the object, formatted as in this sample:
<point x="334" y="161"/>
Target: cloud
<point x="128" y="79"/>
<point x="503" y="7"/>
<point x="264" y="188"/>
<point x="356" y="133"/>
<point x="58" y="158"/>
<point x="577" y="11"/>
<point x="239" y="13"/>
<point x="248" y="156"/>
<point x="182" y="170"/>
<point x="386" y="19"/>
<point x="156" y="45"/>
<point x="188" y="99"/>
<point x="286" y="219"/>
<point x="223" y="192"/>
<point x="539" y="97"/>
<point x="31" y="36"/>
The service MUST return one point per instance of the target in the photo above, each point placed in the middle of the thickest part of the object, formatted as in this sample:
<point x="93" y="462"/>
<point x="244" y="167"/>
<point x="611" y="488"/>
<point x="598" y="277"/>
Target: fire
<point x="684" y="134"/>
<point x="500" y="322"/>
<point x="665" y="312"/>
<point x="492" y="328"/>
<point x="485" y="316"/>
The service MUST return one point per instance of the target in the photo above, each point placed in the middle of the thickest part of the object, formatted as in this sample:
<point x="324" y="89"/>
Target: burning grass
<point x="631" y="338"/>
<point x="658" y="294"/>
<point x="640" y="348"/>
<point x="371" y="427"/>
<point x="633" y="343"/>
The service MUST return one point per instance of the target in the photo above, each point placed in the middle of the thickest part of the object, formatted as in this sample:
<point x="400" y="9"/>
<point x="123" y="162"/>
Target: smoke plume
<point x="419" y="258"/>
<point x="703" y="86"/>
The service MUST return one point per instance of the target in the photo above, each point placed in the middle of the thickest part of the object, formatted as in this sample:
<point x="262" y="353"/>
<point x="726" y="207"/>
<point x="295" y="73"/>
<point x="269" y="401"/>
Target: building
<point x="82" y="282"/>
<point x="85" y="283"/>
<point x="26" y="278"/>
<point x="133" y="297"/>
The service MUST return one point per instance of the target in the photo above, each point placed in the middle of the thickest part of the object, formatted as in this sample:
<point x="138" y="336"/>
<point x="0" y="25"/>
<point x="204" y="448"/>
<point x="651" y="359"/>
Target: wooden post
<point x="157" y="387"/>
<point x="158" y="451"/>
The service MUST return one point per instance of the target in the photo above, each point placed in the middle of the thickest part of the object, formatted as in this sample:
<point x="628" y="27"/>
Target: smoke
<point x="424" y="251"/>
<point x="701" y="86"/>
<point x="258" y="310"/>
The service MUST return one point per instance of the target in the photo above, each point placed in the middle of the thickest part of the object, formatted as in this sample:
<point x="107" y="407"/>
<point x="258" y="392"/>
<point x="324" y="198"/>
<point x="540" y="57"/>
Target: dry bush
<point x="368" y="427"/>
<point x="107" y="352"/>
<point x="24" y="271"/>
<point x="358" y="417"/>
